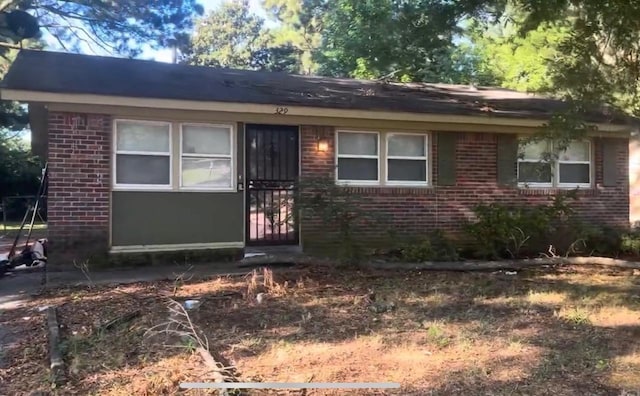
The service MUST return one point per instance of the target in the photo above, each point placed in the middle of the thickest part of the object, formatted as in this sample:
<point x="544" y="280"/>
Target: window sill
<point x="581" y="191"/>
<point x="142" y="188"/>
<point x="207" y="190"/>
<point x="390" y="189"/>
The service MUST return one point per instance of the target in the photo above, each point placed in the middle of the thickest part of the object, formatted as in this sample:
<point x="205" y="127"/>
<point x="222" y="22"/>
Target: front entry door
<point x="272" y="171"/>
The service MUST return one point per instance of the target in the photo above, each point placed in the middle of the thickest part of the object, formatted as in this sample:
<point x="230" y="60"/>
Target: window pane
<point x="407" y="170"/>
<point x="357" y="169"/>
<point x="534" y="172"/>
<point x="534" y="150"/>
<point x="132" y="136"/>
<point x="200" y="139"/>
<point x="577" y="151"/>
<point x="206" y="172"/>
<point x="407" y="145"/>
<point x="574" y="173"/>
<point x="142" y="169"/>
<point x="357" y="143"/>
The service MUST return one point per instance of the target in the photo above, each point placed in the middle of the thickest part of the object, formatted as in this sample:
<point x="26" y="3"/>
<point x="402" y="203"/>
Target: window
<point x="574" y="165"/>
<point x="143" y="154"/>
<point x="206" y="157"/>
<point x="531" y="169"/>
<point x="357" y="157"/>
<point x="571" y="169"/>
<point x="406" y="159"/>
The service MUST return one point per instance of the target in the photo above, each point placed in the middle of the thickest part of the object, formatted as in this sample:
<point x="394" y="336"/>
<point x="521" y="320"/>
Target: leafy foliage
<point x="597" y="57"/>
<point x="512" y="59"/>
<point x="502" y="231"/>
<point x="19" y="170"/>
<point x="300" y="25"/>
<point x="226" y="37"/>
<point x="434" y="247"/>
<point x="406" y="41"/>
<point x="341" y="212"/>
<point x="231" y="36"/>
<point x="630" y="244"/>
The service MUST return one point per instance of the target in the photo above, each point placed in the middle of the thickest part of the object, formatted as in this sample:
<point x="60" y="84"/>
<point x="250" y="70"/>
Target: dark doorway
<point x="272" y="171"/>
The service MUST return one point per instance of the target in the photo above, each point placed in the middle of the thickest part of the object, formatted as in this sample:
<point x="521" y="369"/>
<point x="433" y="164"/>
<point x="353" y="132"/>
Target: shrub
<point x="606" y="241"/>
<point x="630" y="244"/>
<point x="501" y="231"/>
<point x="435" y="247"/>
<point x="343" y="212"/>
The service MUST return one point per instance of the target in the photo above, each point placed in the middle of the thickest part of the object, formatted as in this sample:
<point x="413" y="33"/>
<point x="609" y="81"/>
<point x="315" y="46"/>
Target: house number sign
<point x="282" y="110"/>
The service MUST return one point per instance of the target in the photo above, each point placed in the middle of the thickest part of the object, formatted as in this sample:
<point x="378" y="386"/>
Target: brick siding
<point x="80" y="177"/>
<point x="78" y="190"/>
<point x="417" y="211"/>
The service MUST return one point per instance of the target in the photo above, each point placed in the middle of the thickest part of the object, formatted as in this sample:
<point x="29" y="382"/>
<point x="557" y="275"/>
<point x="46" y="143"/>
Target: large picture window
<point x="206" y="157"/>
<point x="358" y="157"/>
<point x="571" y="169"/>
<point x="142" y="154"/>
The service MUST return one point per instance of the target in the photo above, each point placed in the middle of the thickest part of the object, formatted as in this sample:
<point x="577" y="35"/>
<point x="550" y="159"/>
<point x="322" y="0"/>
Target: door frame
<point x="245" y="183"/>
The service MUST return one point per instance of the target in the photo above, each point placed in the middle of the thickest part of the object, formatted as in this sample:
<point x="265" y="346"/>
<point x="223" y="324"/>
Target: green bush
<point x="604" y="241"/>
<point x="435" y="247"/>
<point x="630" y="244"/>
<point x="501" y="231"/>
<point x="343" y="213"/>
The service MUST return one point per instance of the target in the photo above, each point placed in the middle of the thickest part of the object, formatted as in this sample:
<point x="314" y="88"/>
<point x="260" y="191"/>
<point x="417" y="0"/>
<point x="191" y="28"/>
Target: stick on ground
<point x="57" y="364"/>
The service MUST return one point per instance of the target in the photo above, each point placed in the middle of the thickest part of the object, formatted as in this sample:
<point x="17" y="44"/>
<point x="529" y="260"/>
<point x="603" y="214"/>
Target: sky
<point x="165" y="55"/>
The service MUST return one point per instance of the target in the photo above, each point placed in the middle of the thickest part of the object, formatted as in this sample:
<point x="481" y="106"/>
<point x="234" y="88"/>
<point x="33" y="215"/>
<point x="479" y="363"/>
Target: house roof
<point x="57" y="72"/>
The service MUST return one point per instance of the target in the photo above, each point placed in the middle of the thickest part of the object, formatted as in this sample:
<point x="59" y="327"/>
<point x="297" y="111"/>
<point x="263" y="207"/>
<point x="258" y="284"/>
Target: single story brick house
<point x="153" y="157"/>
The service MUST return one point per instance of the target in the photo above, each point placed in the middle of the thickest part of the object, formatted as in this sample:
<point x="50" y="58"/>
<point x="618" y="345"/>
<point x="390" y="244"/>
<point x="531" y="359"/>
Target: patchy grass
<point x="14" y="226"/>
<point x="566" y="330"/>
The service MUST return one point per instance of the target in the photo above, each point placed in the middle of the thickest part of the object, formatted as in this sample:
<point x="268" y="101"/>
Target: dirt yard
<point x="561" y="331"/>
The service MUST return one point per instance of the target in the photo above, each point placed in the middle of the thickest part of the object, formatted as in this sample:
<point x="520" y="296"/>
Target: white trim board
<point x="176" y="247"/>
<point x="233" y="107"/>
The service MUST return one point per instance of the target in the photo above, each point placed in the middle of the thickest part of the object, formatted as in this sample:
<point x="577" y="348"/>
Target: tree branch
<point x="10" y="45"/>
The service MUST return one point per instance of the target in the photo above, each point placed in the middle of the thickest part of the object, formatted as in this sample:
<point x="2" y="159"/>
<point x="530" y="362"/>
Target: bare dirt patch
<point x="567" y="330"/>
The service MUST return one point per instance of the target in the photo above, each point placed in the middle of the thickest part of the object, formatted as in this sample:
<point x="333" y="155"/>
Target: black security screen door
<point x="272" y="171"/>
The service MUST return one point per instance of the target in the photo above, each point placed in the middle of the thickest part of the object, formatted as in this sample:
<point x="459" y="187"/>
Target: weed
<point x="436" y="335"/>
<point x="262" y="281"/>
<point x="576" y="316"/>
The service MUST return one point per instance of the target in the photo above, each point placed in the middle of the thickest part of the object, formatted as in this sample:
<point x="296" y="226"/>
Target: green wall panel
<point x="158" y="218"/>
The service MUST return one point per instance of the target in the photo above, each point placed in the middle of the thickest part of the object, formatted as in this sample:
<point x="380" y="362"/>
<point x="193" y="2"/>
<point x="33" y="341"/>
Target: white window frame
<point x="555" y="172"/>
<point x="338" y="156"/>
<point x="115" y="152"/>
<point x="231" y="156"/>
<point x="424" y="158"/>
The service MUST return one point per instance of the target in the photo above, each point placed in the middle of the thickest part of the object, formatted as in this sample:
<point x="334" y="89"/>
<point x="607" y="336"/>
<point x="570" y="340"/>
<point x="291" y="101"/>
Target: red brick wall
<point x="415" y="211"/>
<point x="80" y="176"/>
<point x="78" y="192"/>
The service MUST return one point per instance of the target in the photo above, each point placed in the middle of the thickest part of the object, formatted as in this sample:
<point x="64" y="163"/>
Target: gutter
<point x="281" y="110"/>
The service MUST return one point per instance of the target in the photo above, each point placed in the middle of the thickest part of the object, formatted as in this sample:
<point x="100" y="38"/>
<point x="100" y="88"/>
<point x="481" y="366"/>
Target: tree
<point x="231" y="36"/>
<point x="104" y="26"/>
<point x="226" y="37"/>
<point x="598" y="55"/>
<point x="514" y="59"/>
<point x="299" y="27"/>
<point x="405" y="40"/>
<point x="285" y="58"/>
<point x="19" y="170"/>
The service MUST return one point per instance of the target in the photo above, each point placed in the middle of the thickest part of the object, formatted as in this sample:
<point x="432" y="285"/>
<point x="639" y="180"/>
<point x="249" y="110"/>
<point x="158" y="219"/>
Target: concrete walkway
<point x="21" y="283"/>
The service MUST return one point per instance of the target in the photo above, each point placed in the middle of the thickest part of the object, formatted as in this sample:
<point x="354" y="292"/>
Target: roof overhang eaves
<point x="282" y="110"/>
